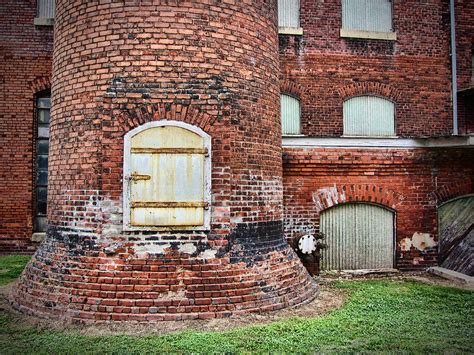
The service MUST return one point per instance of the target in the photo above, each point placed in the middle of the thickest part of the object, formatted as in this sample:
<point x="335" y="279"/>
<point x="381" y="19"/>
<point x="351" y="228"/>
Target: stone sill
<point x="44" y="21"/>
<point x="38" y="237"/>
<point x="296" y="31"/>
<point x="385" y="36"/>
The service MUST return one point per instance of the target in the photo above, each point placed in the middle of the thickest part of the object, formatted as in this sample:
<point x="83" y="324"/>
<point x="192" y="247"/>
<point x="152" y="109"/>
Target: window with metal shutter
<point x="369" y="116"/>
<point x="167" y="177"/>
<point x="290" y="115"/>
<point x="367" y="15"/>
<point x="45" y="9"/>
<point x="289" y="13"/>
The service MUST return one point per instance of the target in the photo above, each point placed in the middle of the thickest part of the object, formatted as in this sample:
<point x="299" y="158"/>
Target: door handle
<point x="137" y="177"/>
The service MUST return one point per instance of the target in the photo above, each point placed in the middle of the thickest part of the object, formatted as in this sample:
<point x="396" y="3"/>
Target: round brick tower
<point x="165" y="171"/>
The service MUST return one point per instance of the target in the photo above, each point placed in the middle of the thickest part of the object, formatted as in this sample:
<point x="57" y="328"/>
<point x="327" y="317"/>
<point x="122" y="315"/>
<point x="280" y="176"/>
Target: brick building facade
<point x="113" y="74"/>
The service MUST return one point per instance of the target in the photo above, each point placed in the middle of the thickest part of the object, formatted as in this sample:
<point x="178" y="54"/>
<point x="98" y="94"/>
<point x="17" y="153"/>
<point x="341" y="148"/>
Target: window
<point x="369" y="116"/>
<point x="45" y="10"/>
<point x="290" y="115"/>
<point x="370" y="19"/>
<point x="43" y="107"/>
<point x="167" y="172"/>
<point x="289" y="17"/>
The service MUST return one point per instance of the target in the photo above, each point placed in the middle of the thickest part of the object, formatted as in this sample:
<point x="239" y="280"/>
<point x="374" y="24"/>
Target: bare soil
<point x="328" y="299"/>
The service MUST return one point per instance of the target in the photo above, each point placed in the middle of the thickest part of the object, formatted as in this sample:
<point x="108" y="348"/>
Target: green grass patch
<point x="379" y="315"/>
<point x="11" y="267"/>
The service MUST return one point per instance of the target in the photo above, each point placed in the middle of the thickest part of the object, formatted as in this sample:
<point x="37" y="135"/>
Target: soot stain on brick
<point x="251" y="242"/>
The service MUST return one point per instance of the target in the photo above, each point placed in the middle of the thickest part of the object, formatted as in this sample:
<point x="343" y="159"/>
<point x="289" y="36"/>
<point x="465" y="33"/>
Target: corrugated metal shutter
<point x="45" y="8"/>
<point x="369" y="116"/>
<point x="359" y="236"/>
<point x="367" y="15"/>
<point x="167" y="186"/>
<point x="289" y="13"/>
<point x="290" y="115"/>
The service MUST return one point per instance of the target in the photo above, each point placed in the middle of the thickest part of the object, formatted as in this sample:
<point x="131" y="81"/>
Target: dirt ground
<point x="329" y="298"/>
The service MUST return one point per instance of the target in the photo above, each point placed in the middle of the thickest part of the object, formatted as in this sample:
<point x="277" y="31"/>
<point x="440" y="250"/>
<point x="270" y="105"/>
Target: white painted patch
<point x="144" y="249"/>
<point x="422" y="241"/>
<point x="187" y="248"/>
<point x="405" y="244"/>
<point x="208" y="254"/>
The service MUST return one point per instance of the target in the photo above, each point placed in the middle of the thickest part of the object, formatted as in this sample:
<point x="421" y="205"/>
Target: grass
<point x="379" y="315"/>
<point x="11" y="267"/>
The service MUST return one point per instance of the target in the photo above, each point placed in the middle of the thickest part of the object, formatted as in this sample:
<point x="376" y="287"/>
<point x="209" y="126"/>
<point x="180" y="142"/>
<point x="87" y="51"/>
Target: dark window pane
<point x="43" y="162"/>
<point x="43" y="146"/>
<point x="41" y="194"/>
<point x="41" y="224"/>
<point x="42" y="178"/>
<point x="44" y="102"/>
<point x="41" y="208"/>
<point x="43" y="116"/>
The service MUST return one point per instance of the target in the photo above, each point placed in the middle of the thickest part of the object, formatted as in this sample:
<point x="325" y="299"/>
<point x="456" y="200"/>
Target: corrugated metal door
<point x="359" y="236"/>
<point x="167" y="178"/>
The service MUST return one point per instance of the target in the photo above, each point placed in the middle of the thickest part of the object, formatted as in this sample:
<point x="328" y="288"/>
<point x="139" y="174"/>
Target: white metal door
<point x="167" y="185"/>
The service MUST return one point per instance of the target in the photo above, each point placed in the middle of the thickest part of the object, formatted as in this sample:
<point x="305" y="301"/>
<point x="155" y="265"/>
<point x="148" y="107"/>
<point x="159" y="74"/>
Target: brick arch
<point x="369" y="87"/>
<point x="450" y="191"/>
<point x="290" y="87"/>
<point x="40" y="84"/>
<point x="331" y="196"/>
<point x="135" y="117"/>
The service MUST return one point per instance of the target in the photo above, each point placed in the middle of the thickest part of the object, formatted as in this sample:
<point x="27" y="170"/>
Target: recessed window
<point x="43" y="109"/>
<point x="167" y="172"/>
<point x="289" y="17"/>
<point x="45" y="10"/>
<point x="290" y="115"/>
<point x="369" y="116"/>
<point x="367" y="19"/>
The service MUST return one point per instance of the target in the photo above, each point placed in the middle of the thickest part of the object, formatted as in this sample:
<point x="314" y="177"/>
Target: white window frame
<point x="127" y="163"/>
<point x="368" y="34"/>
<point x="299" y="107"/>
<point x="290" y="30"/>
<point x="393" y="135"/>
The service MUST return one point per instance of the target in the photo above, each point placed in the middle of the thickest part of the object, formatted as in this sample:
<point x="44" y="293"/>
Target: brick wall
<point x="25" y="69"/>
<point x="413" y="71"/>
<point x="412" y="182"/>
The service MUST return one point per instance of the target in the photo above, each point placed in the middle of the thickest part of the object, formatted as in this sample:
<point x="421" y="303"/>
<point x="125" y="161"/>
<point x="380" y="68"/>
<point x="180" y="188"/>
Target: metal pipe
<point x="454" y="84"/>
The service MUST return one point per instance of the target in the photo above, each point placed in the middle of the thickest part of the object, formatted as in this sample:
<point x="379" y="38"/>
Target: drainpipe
<point x="454" y="83"/>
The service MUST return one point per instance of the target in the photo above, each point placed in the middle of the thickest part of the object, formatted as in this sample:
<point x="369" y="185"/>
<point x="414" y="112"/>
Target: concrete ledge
<point x="385" y="36"/>
<point x="38" y="237"/>
<point x="452" y="275"/>
<point x="296" y="31"/>
<point x="44" y="21"/>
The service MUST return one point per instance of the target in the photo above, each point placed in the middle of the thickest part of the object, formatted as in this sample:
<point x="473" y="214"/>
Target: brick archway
<point x="331" y="196"/>
<point x="40" y="84"/>
<point x="370" y="87"/>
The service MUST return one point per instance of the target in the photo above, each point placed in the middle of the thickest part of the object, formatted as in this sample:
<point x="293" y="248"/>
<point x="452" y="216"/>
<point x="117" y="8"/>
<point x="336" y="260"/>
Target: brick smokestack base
<point x="117" y="66"/>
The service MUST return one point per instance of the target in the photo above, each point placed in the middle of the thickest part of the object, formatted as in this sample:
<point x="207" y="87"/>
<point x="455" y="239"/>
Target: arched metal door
<point x="359" y="236"/>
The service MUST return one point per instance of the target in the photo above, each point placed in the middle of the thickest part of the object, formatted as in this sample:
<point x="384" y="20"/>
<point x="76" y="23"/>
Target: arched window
<point x="167" y="177"/>
<point x="369" y="116"/>
<point x="43" y="108"/>
<point x="290" y="115"/>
